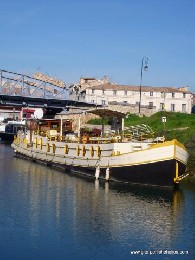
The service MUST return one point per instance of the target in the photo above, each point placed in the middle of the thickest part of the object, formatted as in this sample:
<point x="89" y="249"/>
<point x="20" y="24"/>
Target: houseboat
<point x="136" y="157"/>
<point x="9" y="130"/>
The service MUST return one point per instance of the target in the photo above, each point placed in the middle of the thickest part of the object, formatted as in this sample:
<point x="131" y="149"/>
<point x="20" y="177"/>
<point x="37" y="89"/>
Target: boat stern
<point x="181" y="158"/>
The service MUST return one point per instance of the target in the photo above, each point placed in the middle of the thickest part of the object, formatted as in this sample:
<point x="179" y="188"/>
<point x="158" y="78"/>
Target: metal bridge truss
<point x="15" y="84"/>
<point x="19" y="91"/>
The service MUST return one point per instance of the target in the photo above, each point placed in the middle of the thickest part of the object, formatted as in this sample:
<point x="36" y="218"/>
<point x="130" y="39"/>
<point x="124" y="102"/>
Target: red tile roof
<point x="110" y="86"/>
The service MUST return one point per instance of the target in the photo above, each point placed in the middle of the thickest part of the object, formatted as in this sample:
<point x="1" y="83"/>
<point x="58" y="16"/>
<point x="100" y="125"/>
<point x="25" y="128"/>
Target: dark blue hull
<point x="9" y="137"/>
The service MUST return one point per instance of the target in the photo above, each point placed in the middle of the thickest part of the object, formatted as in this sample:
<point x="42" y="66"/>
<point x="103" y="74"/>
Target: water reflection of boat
<point x="137" y="158"/>
<point x="106" y="212"/>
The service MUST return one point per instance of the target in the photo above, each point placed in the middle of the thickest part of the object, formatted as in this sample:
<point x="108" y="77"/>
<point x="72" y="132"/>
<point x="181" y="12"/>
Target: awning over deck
<point x="102" y="112"/>
<point x="117" y="117"/>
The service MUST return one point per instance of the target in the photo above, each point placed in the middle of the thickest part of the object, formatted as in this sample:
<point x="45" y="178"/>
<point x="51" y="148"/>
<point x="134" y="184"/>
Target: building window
<point x="92" y="101"/>
<point x="150" y="105"/>
<point x="151" y="94"/>
<point x="184" y="96"/>
<point x="114" y="92"/>
<point x="125" y="93"/>
<point x="93" y="91"/>
<point x="103" y="92"/>
<point x="162" y="94"/>
<point x="103" y="102"/>
<point x="173" y="94"/>
<point x="172" y="107"/>
<point x="162" y="106"/>
<point x="124" y="102"/>
<point x="184" y="108"/>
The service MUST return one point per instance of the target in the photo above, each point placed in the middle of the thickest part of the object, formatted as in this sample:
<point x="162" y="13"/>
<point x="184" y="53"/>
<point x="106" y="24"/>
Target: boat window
<point x="54" y="126"/>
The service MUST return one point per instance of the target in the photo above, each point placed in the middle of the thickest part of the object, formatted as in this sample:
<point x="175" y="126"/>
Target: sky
<point x="70" y="39"/>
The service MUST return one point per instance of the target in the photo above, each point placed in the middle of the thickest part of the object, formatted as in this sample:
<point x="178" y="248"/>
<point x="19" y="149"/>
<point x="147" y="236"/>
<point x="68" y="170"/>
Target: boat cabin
<point x="48" y="127"/>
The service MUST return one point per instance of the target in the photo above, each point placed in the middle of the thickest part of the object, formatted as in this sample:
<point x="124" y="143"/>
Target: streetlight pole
<point x="144" y="65"/>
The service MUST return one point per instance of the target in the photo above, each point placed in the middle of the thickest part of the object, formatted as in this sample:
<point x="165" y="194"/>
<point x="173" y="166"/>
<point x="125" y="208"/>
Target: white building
<point x="153" y="99"/>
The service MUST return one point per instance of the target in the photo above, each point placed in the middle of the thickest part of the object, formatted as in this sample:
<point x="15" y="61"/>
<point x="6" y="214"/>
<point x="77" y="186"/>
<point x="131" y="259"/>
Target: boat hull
<point x="160" y="173"/>
<point x="7" y="137"/>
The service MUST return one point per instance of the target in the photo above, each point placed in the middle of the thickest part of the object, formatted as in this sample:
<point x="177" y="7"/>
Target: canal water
<point x="46" y="214"/>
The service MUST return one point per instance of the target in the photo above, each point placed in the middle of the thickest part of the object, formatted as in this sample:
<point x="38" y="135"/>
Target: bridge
<point x="19" y="90"/>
